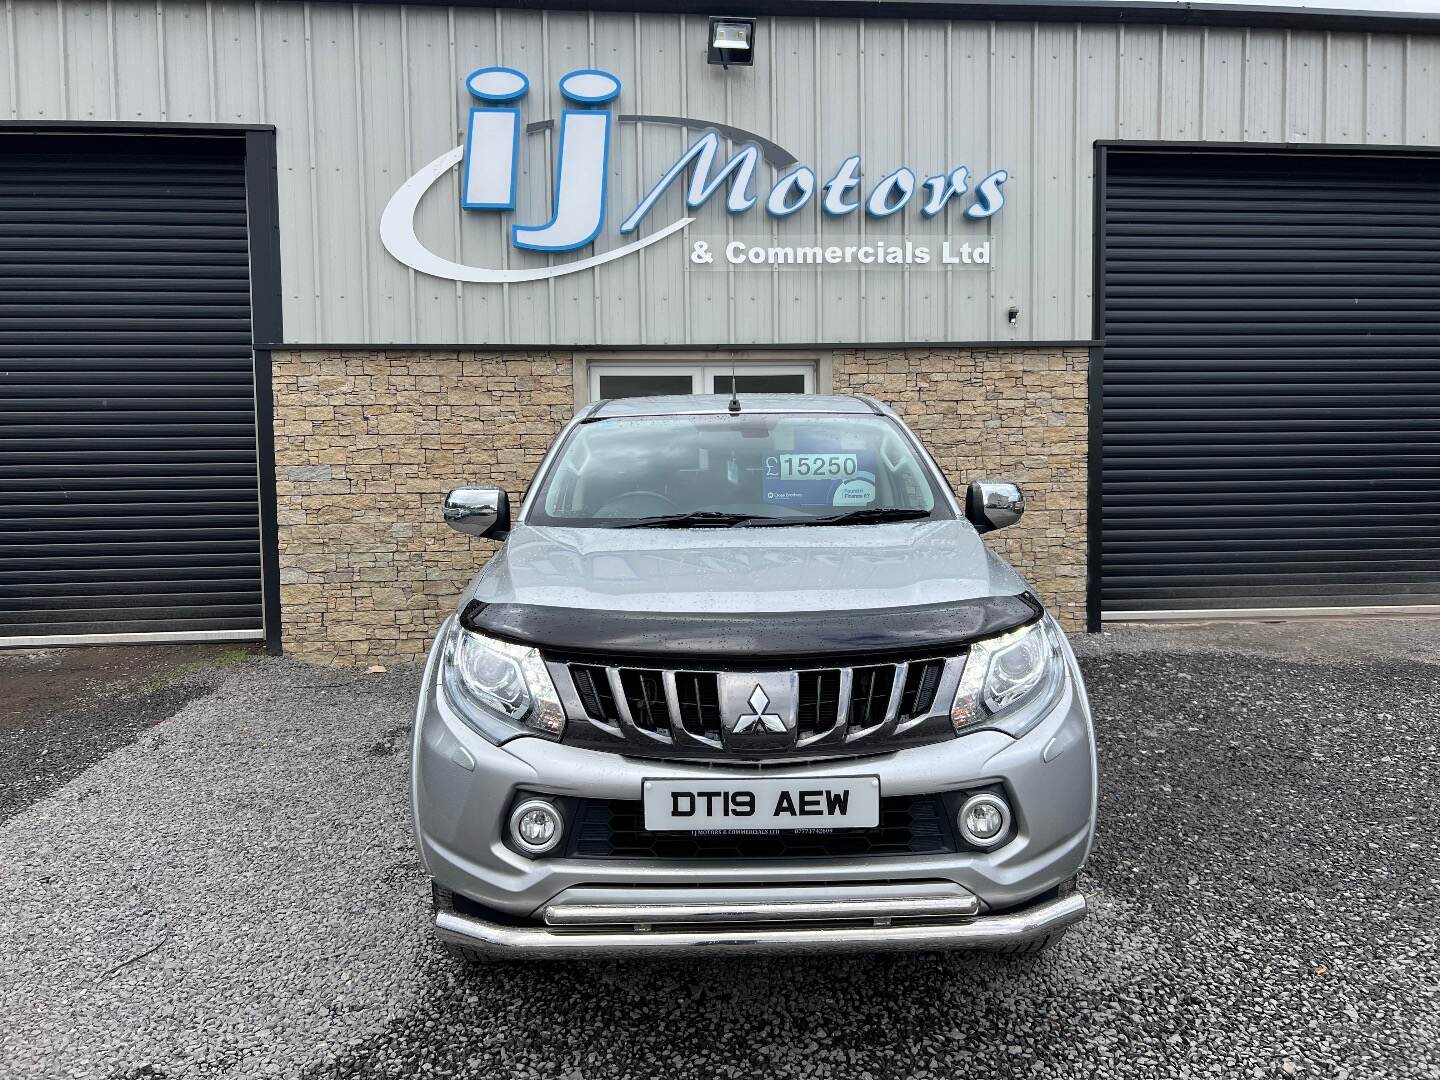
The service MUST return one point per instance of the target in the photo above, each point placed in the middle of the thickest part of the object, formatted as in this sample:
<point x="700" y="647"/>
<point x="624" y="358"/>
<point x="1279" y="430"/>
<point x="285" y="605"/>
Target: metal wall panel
<point x="1271" y="388"/>
<point x="363" y="95"/>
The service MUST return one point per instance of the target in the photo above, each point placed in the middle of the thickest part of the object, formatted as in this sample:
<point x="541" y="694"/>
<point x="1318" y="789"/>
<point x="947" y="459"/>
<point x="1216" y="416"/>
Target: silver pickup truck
<point x="744" y="677"/>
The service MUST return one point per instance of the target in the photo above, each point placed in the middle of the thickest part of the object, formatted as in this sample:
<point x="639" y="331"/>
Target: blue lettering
<point x="739" y="169"/>
<point x="891" y="193"/>
<point x="988" y="197"/>
<point x="802" y="180"/>
<point x="942" y="187"/>
<point x="491" y="154"/>
<point x="845" y="180"/>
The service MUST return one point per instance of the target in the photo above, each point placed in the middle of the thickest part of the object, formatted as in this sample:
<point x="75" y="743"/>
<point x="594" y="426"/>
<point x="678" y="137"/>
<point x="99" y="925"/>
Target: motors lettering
<point x="811" y="802"/>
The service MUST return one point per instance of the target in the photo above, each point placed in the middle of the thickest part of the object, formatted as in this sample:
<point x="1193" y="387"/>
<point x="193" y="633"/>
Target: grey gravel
<point x="1314" y="640"/>
<point x="235" y="894"/>
<point x="65" y="709"/>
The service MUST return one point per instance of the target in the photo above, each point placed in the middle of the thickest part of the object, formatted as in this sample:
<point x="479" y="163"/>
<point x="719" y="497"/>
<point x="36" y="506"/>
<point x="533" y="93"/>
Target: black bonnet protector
<point x="752" y="637"/>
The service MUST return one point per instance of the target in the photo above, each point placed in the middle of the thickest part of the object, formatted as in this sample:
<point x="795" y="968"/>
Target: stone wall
<point x="1016" y="415"/>
<point x="367" y="443"/>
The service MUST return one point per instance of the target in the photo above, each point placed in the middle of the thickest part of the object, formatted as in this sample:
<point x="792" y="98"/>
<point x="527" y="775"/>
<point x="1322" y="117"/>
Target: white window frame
<point x="596" y="370"/>
<point x="702" y="372"/>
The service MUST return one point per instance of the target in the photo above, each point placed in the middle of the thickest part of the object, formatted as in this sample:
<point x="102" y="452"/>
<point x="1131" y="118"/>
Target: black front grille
<point x="870" y="696"/>
<point x="819" y="702"/>
<point x="645" y="694"/>
<point x="664" y="712"/>
<point x="698" y="695"/>
<point x="921" y="682"/>
<point x="909" y="825"/>
<point x="593" y="687"/>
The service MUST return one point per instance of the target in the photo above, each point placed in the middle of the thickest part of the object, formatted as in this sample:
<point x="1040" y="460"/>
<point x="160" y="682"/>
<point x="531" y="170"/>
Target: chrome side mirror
<point x="993" y="504"/>
<point x="479" y="511"/>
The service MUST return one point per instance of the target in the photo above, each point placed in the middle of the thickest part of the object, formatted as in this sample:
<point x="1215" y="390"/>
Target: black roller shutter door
<point x="1271" y="384"/>
<point x="128" y="492"/>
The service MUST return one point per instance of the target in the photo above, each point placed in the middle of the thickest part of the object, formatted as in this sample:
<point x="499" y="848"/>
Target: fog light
<point x="536" y="826"/>
<point x="984" y="820"/>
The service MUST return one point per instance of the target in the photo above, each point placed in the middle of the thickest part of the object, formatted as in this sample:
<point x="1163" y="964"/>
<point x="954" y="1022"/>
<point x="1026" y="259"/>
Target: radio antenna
<point x="734" y="405"/>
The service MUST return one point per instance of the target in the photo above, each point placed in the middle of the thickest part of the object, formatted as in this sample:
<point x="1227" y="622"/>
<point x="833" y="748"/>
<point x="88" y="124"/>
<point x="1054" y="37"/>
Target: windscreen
<point x="746" y="470"/>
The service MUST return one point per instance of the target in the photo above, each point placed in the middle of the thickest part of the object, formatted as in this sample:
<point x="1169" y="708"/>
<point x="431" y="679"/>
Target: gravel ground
<point x="235" y="894"/>
<point x="65" y="709"/>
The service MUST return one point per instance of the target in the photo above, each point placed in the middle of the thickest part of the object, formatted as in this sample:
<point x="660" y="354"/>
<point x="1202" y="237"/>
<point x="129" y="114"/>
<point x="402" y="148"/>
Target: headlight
<point x="498" y="688"/>
<point x="1005" y="675"/>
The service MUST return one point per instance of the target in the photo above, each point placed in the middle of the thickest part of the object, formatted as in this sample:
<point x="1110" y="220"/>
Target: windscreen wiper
<point x="873" y="515"/>
<point x="698" y="519"/>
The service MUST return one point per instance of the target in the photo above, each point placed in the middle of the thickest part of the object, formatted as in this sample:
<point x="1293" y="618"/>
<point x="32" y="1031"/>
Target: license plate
<point x="762" y="805"/>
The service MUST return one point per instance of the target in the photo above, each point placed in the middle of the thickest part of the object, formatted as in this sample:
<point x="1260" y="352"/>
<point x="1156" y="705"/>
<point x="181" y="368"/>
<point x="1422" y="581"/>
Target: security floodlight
<point x="732" y="41"/>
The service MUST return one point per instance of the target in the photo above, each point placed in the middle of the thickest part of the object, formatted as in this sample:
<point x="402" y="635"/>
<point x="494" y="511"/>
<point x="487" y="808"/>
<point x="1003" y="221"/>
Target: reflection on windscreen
<point x="630" y="469"/>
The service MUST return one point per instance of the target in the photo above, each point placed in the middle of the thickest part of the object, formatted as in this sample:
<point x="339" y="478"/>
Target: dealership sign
<point x="489" y="158"/>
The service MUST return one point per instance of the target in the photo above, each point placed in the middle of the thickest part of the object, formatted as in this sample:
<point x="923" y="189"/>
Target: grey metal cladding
<point x="364" y="95"/>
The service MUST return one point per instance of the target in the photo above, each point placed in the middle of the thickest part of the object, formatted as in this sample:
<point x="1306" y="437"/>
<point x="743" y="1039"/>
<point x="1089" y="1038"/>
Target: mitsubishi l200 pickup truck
<point x="743" y="677"/>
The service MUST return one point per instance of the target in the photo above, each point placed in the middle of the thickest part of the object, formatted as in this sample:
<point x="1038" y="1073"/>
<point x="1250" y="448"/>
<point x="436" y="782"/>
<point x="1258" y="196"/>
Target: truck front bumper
<point x="634" y="930"/>
<point x="567" y="905"/>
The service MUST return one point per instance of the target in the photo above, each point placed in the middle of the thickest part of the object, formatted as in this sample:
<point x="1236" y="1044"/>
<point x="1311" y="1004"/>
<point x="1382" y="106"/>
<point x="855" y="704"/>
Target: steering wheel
<point x="617" y="506"/>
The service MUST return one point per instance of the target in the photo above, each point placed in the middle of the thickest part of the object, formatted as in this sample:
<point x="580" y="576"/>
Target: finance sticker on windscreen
<point x="820" y="477"/>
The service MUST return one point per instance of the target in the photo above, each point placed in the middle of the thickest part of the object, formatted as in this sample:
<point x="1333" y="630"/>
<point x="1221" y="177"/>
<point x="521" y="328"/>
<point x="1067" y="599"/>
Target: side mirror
<point x="479" y="511"/>
<point x="993" y="504"/>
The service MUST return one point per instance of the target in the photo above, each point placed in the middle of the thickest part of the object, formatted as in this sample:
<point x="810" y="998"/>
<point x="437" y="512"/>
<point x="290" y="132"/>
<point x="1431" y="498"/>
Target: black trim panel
<point x="1094" y="400"/>
<point x="262" y="196"/>
<point x="129" y="127"/>
<point x="909" y="825"/>
<point x="762" y="637"/>
<point x="1314" y="149"/>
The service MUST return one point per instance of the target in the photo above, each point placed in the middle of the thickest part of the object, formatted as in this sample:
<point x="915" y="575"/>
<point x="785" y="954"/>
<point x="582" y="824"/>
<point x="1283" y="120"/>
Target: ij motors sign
<point x="489" y="159"/>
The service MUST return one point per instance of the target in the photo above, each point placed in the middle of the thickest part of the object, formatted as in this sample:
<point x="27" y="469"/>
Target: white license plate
<point x="768" y="805"/>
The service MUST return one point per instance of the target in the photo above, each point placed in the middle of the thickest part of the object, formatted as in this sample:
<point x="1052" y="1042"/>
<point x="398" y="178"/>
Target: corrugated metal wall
<point x="363" y="95"/>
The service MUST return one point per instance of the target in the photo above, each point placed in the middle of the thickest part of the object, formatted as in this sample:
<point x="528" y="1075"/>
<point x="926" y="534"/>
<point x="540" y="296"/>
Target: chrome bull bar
<point x="578" y="931"/>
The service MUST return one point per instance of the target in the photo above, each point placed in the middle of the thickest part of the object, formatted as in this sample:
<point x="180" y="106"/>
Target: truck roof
<point x="696" y="404"/>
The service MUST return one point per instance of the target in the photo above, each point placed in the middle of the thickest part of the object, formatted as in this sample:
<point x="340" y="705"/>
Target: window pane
<point x="613" y="386"/>
<point x="762" y="384"/>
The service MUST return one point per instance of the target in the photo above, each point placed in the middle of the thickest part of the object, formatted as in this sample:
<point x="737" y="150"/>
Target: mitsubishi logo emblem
<point x="758" y="709"/>
<point x="758" y="717"/>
